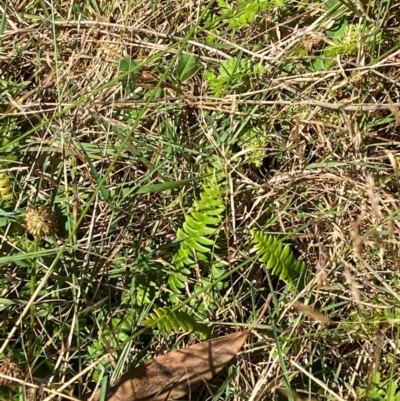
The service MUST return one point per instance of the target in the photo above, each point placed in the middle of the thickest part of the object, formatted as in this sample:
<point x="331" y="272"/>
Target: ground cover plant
<point x="168" y="167"/>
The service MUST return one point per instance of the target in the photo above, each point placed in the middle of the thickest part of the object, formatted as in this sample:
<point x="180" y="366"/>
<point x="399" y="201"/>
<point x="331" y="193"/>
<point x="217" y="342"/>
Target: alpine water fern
<point x="280" y="259"/>
<point x="197" y="235"/>
<point x="175" y="321"/>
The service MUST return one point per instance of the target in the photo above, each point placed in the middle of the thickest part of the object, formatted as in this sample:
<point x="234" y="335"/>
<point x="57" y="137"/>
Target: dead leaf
<point x="295" y="395"/>
<point x="395" y="111"/>
<point x="312" y="312"/>
<point x="310" y="42"/>
<point x="175" y="374"/>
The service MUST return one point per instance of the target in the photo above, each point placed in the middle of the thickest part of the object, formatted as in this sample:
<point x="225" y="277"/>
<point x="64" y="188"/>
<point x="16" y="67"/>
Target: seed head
<point x="40" y="222"/>
<point x="9" y="367"/>
<point x="5" y="187"/>
<point x="35" y="394"/>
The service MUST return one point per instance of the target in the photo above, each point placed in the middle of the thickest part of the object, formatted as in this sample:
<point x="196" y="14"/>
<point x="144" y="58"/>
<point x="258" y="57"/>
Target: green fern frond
<point x="197" y="232"/>
<point x="280" y="259"/>
<point x="174" y="322"/>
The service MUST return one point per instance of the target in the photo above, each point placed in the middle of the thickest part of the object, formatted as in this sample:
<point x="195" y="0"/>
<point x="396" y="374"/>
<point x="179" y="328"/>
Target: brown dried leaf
<point x="295" y="395"/>
<point x="312" y="312"/>
<point x="175" y="374"/>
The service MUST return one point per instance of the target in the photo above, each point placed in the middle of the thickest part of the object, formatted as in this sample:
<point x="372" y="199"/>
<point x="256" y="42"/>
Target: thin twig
<point x="215" y="102"/>
<point x="88" y="24"/>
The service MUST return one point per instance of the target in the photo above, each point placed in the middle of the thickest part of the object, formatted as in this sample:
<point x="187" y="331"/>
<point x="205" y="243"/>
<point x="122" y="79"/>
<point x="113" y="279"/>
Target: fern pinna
<point x="280" y="259"/>
<point x="173" y="322"/>
<point x="200" y="226"/>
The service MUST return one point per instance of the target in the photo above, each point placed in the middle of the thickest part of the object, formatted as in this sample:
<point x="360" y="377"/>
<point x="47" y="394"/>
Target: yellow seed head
<point x="40" y="222"/>
<point x="5" y="187"/>
<point x="9" y="367"/>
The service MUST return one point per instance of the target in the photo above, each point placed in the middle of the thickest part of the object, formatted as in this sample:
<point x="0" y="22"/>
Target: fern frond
<point x="280" y="259"/>
<point x="174" y="322"/>
<point x="200" y="224"/>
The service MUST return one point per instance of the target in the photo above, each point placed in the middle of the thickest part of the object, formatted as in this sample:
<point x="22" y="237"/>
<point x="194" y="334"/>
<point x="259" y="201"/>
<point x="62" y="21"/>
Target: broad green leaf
<point x="128" y="65"/>
<point x="5" y="301"/>
<point x="153" y="93"/>
<point x="339" y="29"/>
<point x="27" y="257"/>
<point x="187" y="67"/>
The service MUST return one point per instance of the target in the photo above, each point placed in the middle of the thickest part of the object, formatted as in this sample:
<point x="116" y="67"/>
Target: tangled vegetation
<point x="167" y="167"/>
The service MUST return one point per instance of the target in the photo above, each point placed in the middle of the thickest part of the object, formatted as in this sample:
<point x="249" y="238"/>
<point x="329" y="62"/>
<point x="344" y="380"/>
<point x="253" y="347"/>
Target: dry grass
<point x="73" y="139"/>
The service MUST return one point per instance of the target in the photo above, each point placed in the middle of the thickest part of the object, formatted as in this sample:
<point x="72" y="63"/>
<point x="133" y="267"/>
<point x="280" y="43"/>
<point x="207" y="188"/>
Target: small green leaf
<point x="187" y="67"/>
<point x="127" y="64"/>
<point x="319" y="64"/>
<point x="339" y="29"/>
<point x="80" y="12"/>
<point x="8" y="302"/>
<point x="153" y="93"/>
<point x="331" y="4"/>
<point x="103" y="190"/>
<point x="128" y="80"/>
<point x="153" y="188"/>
